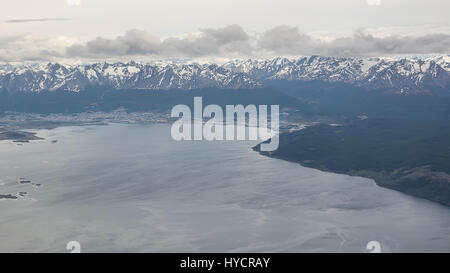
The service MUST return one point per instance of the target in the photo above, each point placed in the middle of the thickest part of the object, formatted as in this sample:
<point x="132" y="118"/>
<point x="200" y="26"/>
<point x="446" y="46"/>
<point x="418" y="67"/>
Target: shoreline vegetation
<point x="410" y="158"/>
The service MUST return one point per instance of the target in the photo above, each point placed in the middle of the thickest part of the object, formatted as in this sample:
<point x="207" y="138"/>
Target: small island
<point x="18" y="136"/>
<point x="7" y="196"/>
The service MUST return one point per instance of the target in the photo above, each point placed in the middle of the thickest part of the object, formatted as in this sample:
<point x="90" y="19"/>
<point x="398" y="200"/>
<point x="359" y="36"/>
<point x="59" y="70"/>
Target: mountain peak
<point x="397" y="75"/>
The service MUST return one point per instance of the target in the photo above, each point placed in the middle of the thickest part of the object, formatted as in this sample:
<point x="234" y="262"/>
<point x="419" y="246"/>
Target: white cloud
<point x="73" y="2"/>
<point x="373" y="2"/>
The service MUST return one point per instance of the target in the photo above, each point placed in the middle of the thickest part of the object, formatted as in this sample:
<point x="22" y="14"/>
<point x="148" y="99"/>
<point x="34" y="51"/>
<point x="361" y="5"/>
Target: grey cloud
<point x="289" y="40"/>
<point x="362" y="44"/>
<point x="286" y="40"/>
<point x="231" y="39"/>
<point x="12" y="21"/>
<point x="24" y="47"/>
<point x="134" y="42"/>
<point x="227" y="34"/>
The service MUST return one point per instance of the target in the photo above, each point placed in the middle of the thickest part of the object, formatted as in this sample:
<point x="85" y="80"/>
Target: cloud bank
<point x="231" y="41"/>
<point x="289" y="40"/>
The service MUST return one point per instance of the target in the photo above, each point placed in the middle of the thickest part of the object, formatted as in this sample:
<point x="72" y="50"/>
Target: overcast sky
<point x="86" y="29"/>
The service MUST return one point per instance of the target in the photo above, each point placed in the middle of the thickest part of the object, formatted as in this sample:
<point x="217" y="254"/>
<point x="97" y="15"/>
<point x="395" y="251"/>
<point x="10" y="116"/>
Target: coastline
<point x="409" y="159"/>
<point x="419" y="181"/>
<point x="381" y="179"/>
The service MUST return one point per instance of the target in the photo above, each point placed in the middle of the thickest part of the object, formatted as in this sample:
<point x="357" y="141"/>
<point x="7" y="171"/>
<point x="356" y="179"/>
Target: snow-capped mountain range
<point x="394" y="75"/>
<point x="407" y="75"/>
<point x="122" y="76"/>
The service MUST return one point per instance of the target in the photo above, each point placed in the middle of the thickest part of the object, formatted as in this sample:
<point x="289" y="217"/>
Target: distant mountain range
<point x="122" y="76"/>
<point x="402" y="76"/>
<point x="391" y="75"/>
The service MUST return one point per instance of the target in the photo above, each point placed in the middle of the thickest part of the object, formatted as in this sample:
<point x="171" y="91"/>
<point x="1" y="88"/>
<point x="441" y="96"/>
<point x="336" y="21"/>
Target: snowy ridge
<point x="407" y="75"/>
<point x="122" y="76"/>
